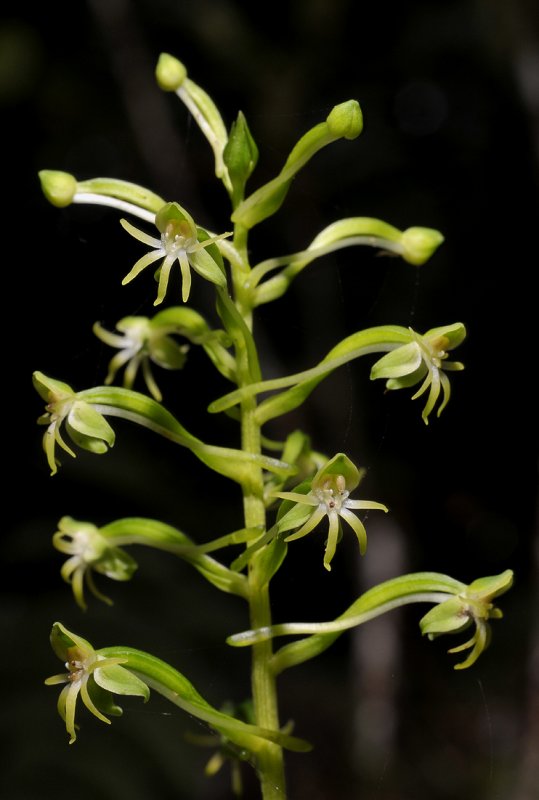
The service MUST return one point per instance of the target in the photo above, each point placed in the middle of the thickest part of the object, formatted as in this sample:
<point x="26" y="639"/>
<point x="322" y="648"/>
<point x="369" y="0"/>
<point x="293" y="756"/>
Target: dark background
<point x="450" y="96"/>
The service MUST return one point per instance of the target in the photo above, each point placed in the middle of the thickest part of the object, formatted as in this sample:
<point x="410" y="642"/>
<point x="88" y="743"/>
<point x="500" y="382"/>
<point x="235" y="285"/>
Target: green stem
<point x="270" y="758"/>
<point x="270" y="761"/>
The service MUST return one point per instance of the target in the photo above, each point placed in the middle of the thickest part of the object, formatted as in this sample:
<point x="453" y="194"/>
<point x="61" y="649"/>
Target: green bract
<point x="181" y="240"/>
<point x="328" y="497"/>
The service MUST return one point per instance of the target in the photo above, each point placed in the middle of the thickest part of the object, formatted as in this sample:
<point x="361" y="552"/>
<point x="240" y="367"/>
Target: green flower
<point x="423" y="359"/>
<point x="86" y="427"/>
<point x="472" y="606"/>
<point x="327" y="496"/>
<point x="89" y="550"/>
<point x="141" y="341"/>
<point x="93" y="676"/>
<point x="181" y="240"/>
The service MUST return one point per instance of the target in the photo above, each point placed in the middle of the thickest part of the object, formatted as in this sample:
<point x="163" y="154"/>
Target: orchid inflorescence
<point x="289" y="489"/>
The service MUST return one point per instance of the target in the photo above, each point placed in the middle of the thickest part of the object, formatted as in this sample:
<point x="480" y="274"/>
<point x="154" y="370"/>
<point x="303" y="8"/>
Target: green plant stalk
<point x="270" y="760"/>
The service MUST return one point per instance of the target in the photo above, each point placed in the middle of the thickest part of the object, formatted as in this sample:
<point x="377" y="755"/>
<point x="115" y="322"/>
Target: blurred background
<point x="450" y="96"/>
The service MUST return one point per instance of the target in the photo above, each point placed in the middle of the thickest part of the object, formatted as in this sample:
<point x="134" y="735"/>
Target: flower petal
<point x="145" y="238"/>
<point x="186" y="275"/>
<point x="311" y="523"/>
<point x="358" y="528"/>
<point x="333" y="538"/>
<point x="142" y="263"/>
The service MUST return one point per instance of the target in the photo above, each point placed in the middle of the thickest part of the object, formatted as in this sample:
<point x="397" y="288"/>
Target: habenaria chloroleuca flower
<point x="472" y="606"/>
<point x="95" y="677"/>
<point x="86" y="427"/>
<point x="141" y="341"/>
<point x="183" y="241"/>
<point x="423" y="359"/>
<point x="89" y="551"/>
<point x="327" y="496"/>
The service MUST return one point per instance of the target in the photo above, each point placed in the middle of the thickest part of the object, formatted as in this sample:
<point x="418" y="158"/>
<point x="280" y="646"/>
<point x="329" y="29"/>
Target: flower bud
<point x="418" y="244"/>
<point x="240" y="155"/>
<point x="58" y="187"/>
<point x="345" y="120"/>
<point x="170" y="73"/>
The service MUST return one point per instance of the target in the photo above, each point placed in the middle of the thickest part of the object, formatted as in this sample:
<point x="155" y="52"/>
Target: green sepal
<point x="490" y="587"/>
<point x="446" y="617"/>
<point x="403" y="361"/>
<point x="89" y="429"/>
<point x="49" y="389"/>
<point x="340" y="464"/>
<point x="452" y="335"/>
<point x="167" y="354"/>
<point x="63" y="641"/>
<point x="102" y="699"/>
<point x="208" y="261"/>
<point x="172" y="214"/>
<point x="119" y="680"/>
